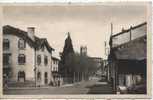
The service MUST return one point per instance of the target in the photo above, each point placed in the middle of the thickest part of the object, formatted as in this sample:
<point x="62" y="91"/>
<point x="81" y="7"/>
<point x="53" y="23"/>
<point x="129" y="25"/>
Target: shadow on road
<point x="100" y="89"/>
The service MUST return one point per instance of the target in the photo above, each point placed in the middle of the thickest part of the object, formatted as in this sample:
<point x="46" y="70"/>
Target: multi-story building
<point x="127" y="59"/>
<point x="57" y="80"/>
<point x="26" y="57"/>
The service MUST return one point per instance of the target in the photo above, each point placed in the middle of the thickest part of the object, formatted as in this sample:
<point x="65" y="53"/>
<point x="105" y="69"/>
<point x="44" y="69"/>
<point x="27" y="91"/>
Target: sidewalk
<point x="17" y="88"/>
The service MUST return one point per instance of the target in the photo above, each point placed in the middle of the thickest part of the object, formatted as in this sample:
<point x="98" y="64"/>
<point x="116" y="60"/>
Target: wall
<point x="55" y="65"/>
<point x="44" y="68"/>
<point x="28" y="67"/>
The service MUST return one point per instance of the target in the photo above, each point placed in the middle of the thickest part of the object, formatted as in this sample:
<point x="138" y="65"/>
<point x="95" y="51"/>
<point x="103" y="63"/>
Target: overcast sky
<point x="88" y="25"/>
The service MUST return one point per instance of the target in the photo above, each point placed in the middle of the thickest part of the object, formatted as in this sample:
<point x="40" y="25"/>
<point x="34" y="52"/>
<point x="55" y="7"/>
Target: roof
<point x="54" y="58"/>
<point x="132" y="28"/>
<point x="38" y="43"/>
<point x="17" y="32"/>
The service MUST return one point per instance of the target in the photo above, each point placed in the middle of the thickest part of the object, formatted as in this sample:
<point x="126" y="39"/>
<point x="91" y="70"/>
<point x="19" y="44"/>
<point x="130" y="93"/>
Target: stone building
<point x="127" y="59"/>
<point x="26" y="57"/>
<point x="83" y="50"/>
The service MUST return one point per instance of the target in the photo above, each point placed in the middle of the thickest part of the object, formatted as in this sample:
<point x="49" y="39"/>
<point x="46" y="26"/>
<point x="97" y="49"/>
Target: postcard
<point x="84" y="50"/>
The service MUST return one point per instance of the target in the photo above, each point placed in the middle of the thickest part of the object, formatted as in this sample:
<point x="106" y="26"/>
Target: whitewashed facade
<point x="43" y="70"/>
<point x="21" y="52"/>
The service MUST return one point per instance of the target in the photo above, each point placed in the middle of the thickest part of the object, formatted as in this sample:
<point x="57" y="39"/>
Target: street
<point x="87" y="87"/>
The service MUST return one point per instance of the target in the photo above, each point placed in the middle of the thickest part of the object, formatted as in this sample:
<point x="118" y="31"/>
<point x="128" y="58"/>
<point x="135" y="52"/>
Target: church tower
<point x="83" y="50"/>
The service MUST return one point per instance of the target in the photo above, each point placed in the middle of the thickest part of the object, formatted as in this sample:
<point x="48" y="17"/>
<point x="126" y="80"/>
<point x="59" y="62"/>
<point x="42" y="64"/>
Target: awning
<point x="132" y="66"/>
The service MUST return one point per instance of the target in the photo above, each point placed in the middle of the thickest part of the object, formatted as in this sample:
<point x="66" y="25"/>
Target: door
<point x="46" y="78"/>
<point x="21" y="76"/>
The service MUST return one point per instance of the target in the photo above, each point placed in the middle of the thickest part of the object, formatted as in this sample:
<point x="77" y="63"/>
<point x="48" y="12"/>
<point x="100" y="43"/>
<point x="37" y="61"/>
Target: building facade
<point x="57" y="79"/>
<point x="26" y="58"/>
<point x="127" y="59"/>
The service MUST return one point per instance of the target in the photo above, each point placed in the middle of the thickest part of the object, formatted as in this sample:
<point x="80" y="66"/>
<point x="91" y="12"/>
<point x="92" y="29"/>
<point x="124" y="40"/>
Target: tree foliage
<point x="68" y="49"/>
<point x="73" y="63"/>
<point x="79" y="63"/>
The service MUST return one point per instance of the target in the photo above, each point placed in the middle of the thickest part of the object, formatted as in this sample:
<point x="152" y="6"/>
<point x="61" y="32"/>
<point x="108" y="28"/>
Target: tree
<point x="73" y="66"/>
<point x="81" y="67"/>
<point x="64" y="67"/>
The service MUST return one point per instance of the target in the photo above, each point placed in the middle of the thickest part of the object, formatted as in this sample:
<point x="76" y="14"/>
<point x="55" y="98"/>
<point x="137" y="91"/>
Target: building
<point x="26" y="57"/>
<point x="96" y="60"/>
<point x="83" y="50"/>
<point x="127" y="59"/>
<point x="57" y="80"/>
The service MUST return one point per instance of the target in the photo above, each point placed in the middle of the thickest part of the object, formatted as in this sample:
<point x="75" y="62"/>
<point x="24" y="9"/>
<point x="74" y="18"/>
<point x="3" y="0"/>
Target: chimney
<point x="31" y="32"/>
<point x="123" y="29"/>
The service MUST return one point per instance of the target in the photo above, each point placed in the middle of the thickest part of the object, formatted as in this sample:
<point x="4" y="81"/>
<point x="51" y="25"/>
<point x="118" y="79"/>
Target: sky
<point x="89" y="25"/>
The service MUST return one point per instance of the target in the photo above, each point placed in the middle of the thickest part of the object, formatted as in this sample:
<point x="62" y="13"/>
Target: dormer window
<point x="6" y="44"/>
<point x="21" y="44"/>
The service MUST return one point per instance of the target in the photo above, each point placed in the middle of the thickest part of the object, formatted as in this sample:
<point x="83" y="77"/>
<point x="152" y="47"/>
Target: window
<point x="54" y="61"/>
<point x="6" y="44"/>
<point x="6" y="59"/>
<point x="21" y="76"/>
<point x="46" y="75"/>
<point x="46" y="60"/>
<point x="54" y="68"/>
<point x="21" y="59"/>
<point x="39" y="59"/>
<point x="21" y="44"/>
<point x="38" y="76"/>
<point x="42" y="49"/>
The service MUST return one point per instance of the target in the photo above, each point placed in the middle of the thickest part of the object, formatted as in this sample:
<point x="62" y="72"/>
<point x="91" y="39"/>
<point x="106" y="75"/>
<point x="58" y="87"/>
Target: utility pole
<point x="74" y="77"/>
<point x="111" y="29"/>
<point x="110" y="44"/>
<point x="105" y="46"/>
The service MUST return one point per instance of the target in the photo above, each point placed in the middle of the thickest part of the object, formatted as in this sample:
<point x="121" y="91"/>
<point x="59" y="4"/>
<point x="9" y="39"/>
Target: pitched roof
<point x="20" y="33"/>
<point x="54" y="58"/>
<point x="38" y="43"/>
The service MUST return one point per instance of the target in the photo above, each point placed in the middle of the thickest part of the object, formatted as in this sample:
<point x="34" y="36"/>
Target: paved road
<point x="88" y="87"/>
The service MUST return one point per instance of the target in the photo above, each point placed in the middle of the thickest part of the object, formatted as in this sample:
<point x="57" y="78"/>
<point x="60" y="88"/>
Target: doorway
<point x="21" y="76"/>
<point x="46" y="78"/>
